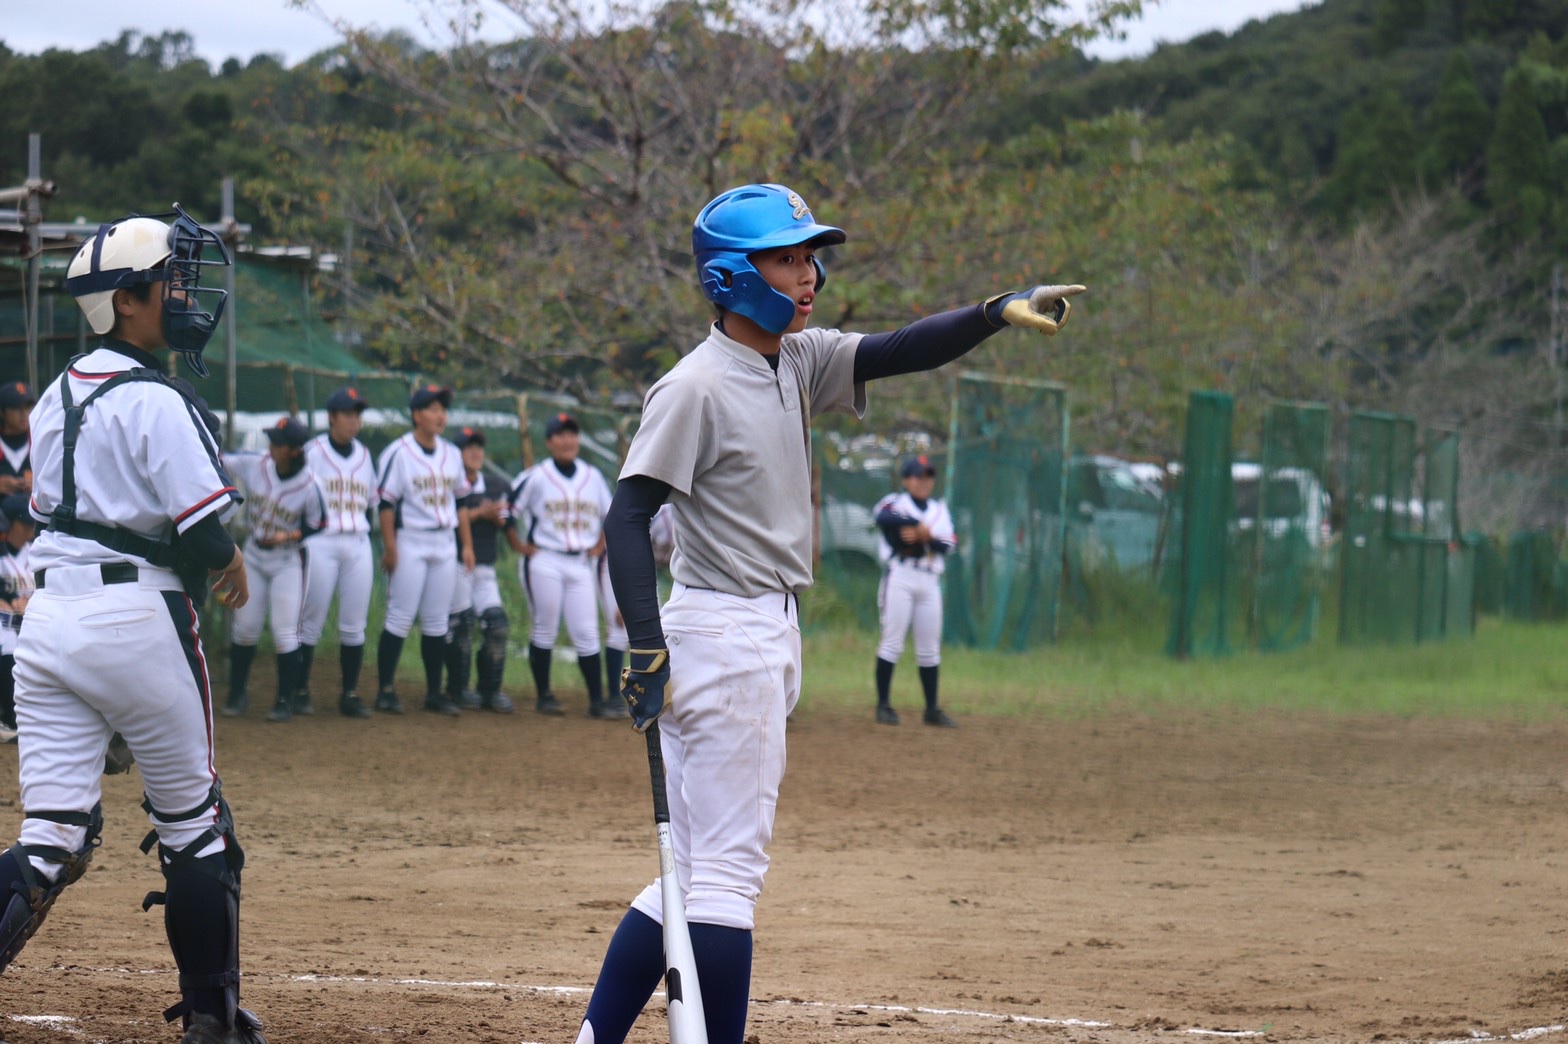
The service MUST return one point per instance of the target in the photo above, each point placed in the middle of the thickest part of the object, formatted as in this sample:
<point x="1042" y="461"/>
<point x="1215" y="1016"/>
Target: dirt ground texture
<point x="1120" y="879"/>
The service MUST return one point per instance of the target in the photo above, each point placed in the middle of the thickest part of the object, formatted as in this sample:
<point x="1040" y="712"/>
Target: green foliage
<point x="1518" y="159"/>
<point x="1376" y="155"/>
<point x="1395" y="20"/>
<point x="1456" y="125"/>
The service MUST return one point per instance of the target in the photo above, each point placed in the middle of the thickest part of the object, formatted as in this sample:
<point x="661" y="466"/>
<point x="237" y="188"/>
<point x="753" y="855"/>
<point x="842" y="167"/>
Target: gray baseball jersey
<point x="732" y="439"/>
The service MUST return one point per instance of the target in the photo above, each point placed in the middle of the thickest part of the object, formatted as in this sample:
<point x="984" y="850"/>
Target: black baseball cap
<point x="346" y="400"/>
<point x="469" y="437"/>
<point x="425" y="394"/>
<point x="918" y="465"/>
<point x="14" y="509"/>
<point x="559" y="423"/>
<point x="288" y="432"/>
<point x="15" y="395"/>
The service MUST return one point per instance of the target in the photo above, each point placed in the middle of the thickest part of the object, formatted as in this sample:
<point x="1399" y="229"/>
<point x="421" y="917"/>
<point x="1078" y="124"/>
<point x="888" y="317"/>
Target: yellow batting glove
<point x="1045" y="308"/>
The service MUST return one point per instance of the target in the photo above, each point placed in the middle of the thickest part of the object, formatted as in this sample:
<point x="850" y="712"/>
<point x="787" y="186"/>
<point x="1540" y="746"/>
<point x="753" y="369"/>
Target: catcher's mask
<point x="739" y="223"/>
<point x="151" y="249"/>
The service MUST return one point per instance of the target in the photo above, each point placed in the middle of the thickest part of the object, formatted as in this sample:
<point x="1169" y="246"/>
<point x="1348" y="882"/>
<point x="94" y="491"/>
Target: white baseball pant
<point x="911" y="597"/>
<point x="422" y="582"/>
<point x="478" y="590"/>
<point x="734" y="679"/>
<point x="96" y="659"/>
<point x="614" y="623"/>
<point x="277" y="583"/>
<point x="341" y="564"/>
<point x="560" y="584"/>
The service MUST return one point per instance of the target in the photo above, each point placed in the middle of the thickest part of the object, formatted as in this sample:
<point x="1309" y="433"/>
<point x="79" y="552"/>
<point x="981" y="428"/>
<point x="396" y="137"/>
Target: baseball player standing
<point x="16" y="467"/>
<point x="725" y="439"/>
<point x="338" y="559"/>
<point x="16" y="587"/>
<point x="917" y="534"/>
<point x="419" y="481"/>
<point x="283" y="506"/>
<point x="476" y="596"/>
<point x="128" y="479"/>
<point x="558" y="510"/>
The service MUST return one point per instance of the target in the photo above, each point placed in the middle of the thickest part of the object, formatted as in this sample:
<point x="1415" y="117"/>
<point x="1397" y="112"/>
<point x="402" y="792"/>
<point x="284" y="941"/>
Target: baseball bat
<point x="683" y="994"/>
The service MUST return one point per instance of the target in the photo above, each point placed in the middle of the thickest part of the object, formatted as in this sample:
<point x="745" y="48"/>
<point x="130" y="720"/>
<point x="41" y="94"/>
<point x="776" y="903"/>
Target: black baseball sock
<point x="928" y="683"/>
<point x="307" y="657"/>
<point x="288" y="676"/>
<point x="240" y="659"/>
<point x="350" y="657"/>
<point x="591" y="666"/>
<point x="613" y="660"/>
<point x="387" y="655"/>
<point x="432" y="650"/>
<point x="539" y="663"/>
<point x="884" y="682"/>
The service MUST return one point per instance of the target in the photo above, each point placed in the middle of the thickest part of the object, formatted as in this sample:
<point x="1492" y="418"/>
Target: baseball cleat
<point x="610" y="710"/>
<point x="237" y="706"/>
<point x="469" y="700"/>
<point x="351" y="706"/>
<point x="549" y="705"/>
<point x="940" y="718"/>
<point x="283" y="710"/>
<point x="303" y="704"/>
<point x="886" y="715"/>
<point x="441" y="705"/>
<point x="500" y="703"/>
<point x="209" y="1029"/>
<point x="388" y="703"/>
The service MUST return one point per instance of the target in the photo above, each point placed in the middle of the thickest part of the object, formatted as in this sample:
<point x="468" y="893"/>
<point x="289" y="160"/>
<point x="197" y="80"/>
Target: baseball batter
<point x="16" y="587"/>
<point x="725" y="439"/>
<point x="128" y="479"/>
<point x="558" y="510"/>
<point x="419" y="480"/>
<point x="476" y="596"/>
<point x="283" y="505"/>
<point x="917" y="534"/>
<point x="338" y="559"/>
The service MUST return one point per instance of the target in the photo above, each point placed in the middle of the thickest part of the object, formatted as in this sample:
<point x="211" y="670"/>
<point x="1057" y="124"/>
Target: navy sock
<point x="432" y="650"/>
<point x="613" y="660"/>
<point x="928" y="683"/>
<point x="724" y="968"/>
<point x="240" y="659"/>
<point x="632" y="967"/>
<point x="590" y="666"/>
<point x="539" y="663"/>
<point x="884" y="681"/>
<point x="288" y="676"/>
<point x="349" y="659"/>
<point x="307" y="657"/>
<point x="387" y="654"/>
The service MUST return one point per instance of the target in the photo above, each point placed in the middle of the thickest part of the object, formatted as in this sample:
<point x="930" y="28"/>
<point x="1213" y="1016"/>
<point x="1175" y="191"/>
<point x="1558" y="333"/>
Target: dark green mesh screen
<point x="1208" y="606"/>
<point x="1289" y="530"/>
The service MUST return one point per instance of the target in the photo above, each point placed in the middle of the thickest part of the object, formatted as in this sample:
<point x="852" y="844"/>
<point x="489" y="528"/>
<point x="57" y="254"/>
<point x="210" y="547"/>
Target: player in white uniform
<point x="127" y="476"/>
<point x="16" y="587"/>
<point x="16" y="446"/>
<point x="557" y="508"/>
<point x="283" y="505"/>
<point x="419" y="479"/>
<point x="725" y="439"/>
<point x="476" y="596"/>
<point x="917" y="535"/>
<point x="338" y="559"/>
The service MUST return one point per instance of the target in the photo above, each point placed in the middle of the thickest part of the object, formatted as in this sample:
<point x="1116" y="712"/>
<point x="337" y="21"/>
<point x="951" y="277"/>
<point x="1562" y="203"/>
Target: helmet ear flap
<point x="822" y="275"/>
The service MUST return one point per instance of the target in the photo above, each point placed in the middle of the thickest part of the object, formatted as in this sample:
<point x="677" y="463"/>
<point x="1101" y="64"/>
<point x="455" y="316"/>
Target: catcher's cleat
<point x="283" y="710"/>
<point x="388" y="703"/>
<point x="549" y="705"/>
<point x="500" y="703"/>
<point x="886" y="715"/>
<point x="469" y="700"/>
<point x="209" y="1029"/>
<point x="438" y="704"/>
<point x="940" y="718"/>
<point x="351" y="706"/>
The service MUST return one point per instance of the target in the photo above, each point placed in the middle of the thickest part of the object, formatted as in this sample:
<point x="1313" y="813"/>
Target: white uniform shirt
<point x="144" y="462"/>
<point x="557" y="512"/>
<point x="272" y="504"/>
<point x="348" y="483"/>
<point x="937" y="519"/>
<point x="16" y="581"/>
<point x="732" y="438"/>
<point x="423" y="485"/>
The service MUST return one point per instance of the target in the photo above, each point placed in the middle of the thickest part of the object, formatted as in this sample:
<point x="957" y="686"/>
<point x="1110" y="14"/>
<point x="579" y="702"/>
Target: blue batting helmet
<point x="741" y="222"/>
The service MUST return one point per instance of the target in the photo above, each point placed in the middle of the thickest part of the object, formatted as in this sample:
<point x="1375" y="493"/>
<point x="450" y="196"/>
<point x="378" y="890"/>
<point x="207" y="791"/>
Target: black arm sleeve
<point x="208" y="543"/>
<point x="633" y="574"/>
<point x="924" y="344"/>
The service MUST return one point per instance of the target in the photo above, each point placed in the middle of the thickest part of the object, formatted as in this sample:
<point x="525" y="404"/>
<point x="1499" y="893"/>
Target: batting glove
<point x="642" y="684"/>
<point x="1044" y="308"/>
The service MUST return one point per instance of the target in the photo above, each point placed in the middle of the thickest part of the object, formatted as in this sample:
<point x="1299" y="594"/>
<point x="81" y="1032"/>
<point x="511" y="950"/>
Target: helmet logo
<point x="799" y="205"/>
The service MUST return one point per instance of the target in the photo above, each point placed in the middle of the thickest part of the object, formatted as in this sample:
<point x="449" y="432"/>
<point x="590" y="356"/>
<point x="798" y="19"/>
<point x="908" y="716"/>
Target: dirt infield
<point x="1117" y="879"/>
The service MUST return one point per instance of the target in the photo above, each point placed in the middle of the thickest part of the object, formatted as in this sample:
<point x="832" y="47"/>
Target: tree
<point x="1456" y="126"/>
<point x="1375" y="157"/>
<point x="1394" y="20"/>
<point x="1518" y="160"/>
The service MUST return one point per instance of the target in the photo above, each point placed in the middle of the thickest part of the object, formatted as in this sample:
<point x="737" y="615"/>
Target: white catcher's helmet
<point x="137" y="250"/>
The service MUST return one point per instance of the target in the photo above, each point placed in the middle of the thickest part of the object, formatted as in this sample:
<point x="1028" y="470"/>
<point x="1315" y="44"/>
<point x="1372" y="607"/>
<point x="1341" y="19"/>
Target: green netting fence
<point x="1200" y="574"/>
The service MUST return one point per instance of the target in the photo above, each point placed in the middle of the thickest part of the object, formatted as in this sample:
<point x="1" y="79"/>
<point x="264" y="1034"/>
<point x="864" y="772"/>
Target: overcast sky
<point x="243" y="28"/>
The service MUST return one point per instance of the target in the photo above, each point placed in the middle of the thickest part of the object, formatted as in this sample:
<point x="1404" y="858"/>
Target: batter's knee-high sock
<point x="631" y="970"/>
<point x="724" y="969"/>
<point x="350" y="657"/>
<point x="884" y="682"/>
<point x="928" y="683"/>
<point x="432" y="650"/>
<point x="240" y="659"/>
<point x="590" y="666"/>
<point x="613" y="659"/>
<point x="307" y="657"/>
<point x="289" y="664"/>
<point x="387" y="655"/>
<point x="539" y="663"/>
